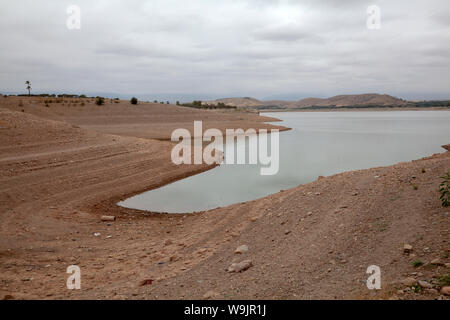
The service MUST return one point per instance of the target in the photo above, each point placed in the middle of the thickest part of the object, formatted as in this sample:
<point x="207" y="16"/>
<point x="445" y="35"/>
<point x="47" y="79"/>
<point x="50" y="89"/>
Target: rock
<point x="432" y="291"/>
<point x="241" y="266"/>
<point x="241" y="249"/>
<point x="409" y="282"/>
<point x="309" y="213"/>
<point x="146" y="282"/>
<point x="447" y="265"/>
<point x="168" y="242"/>
<point x="210" y="295"/>
<point x="425" y="284"/>
<point x="287" y="232"/>
<point x="8" y="297"/>
<point x="108" y="218"/>
<point x="445" y="291"/>
<point x="437" y="262"/>
<point x="407" y="248"/>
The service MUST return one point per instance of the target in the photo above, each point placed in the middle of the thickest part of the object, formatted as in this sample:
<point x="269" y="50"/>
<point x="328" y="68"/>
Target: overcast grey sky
<point x="211" y="48"/>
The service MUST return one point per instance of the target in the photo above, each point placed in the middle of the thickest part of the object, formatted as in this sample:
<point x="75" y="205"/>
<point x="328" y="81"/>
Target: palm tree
<point x="28" y="83"/>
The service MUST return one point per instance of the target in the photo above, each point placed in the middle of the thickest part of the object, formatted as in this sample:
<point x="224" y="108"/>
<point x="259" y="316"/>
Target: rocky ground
<point x="63" y="167"/>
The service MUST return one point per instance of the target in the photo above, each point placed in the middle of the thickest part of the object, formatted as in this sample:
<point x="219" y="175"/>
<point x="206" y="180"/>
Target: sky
<point x="205" y="49"/>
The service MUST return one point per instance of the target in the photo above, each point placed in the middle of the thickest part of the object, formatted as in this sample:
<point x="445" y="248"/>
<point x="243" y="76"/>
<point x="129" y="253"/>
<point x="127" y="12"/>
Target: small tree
<point x="134" y="100"/>
<point x="178" y="103"/>
<point x="100" y="101"/>
<point x="28" y="83"/>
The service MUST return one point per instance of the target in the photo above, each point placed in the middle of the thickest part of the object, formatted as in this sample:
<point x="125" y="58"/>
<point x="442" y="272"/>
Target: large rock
<point x="240" y="267"/>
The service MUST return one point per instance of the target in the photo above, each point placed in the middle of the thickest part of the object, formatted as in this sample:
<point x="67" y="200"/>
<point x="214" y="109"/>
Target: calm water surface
<point x="319" y="144"/>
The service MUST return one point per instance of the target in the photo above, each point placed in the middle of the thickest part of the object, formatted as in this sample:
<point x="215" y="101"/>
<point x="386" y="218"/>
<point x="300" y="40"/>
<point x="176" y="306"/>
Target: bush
<point x="134" y="100"/>
<point x="100" y="101"/>
<point x="445" y="190"/>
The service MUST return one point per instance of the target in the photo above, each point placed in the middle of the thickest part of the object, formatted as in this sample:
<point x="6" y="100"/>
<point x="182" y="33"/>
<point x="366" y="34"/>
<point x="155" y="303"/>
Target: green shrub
<point x="134" y="100"/>
<point x="100" y="101"/>
<point x="417" y="263"/>
<point x="445" y="190"/>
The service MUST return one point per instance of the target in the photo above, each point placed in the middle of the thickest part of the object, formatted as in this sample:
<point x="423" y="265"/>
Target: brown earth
<point x="62" y="167"/>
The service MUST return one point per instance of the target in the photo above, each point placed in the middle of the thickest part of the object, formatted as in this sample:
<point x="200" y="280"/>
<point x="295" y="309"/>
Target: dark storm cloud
<point x="227" y="48"/>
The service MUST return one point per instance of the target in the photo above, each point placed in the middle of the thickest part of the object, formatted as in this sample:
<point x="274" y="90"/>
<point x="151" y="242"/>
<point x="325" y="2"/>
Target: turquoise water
<point x="319" y="144"/>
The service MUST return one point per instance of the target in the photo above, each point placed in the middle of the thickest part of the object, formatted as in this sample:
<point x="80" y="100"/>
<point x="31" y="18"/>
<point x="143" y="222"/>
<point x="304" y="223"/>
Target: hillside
<point x="350" y="100"/>
<point x="353" y="100"/>
<point x="238" y="102"/>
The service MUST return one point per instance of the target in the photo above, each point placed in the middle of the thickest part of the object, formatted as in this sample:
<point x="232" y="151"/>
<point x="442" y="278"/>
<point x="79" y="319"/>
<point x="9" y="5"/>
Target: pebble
<point x="241" y="249"/>
<point x="409" y="282"/>
<point x="425" y="284"/>
<point x="445" y="291"/>
<point x="108" y="218"/>
<point x="407" y="248"/>
<point x="241" y="266"/>
<point x="437" y="262"/>
<point x="210" y="295"/>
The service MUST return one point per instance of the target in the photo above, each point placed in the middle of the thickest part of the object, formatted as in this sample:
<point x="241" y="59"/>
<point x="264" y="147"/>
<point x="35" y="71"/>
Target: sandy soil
<point x="62" y="167"/>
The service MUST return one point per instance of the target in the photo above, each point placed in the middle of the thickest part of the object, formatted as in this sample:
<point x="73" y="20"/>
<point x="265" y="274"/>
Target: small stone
<point x="407" y="248"/>
<point x="210" y="295"/>
<point x="253" y="219"/>
<point x="168" y="242"/>
<point x="241" y="249"/>
<point x="425" y="284"/>
<point x="437" y="262"/>
<point x="445" y="291"/>
<point x="241" y="266"/>
<point x="287" y="232"/>
<point x="409" y="282"/>
<point x="108" y="218"/>
<point x="8" y="297"/>
<point x="309" y="213"/>
<point x="432" y="291"/>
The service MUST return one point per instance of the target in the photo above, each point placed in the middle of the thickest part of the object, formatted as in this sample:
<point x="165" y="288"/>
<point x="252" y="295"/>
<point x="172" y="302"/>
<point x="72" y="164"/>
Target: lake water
<point x="319" y="144"/>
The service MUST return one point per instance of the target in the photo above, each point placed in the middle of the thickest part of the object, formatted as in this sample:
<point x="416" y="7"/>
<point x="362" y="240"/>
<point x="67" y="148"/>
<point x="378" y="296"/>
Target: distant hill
<point x="350" y="100"/>
<point x="237" y="102"/>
